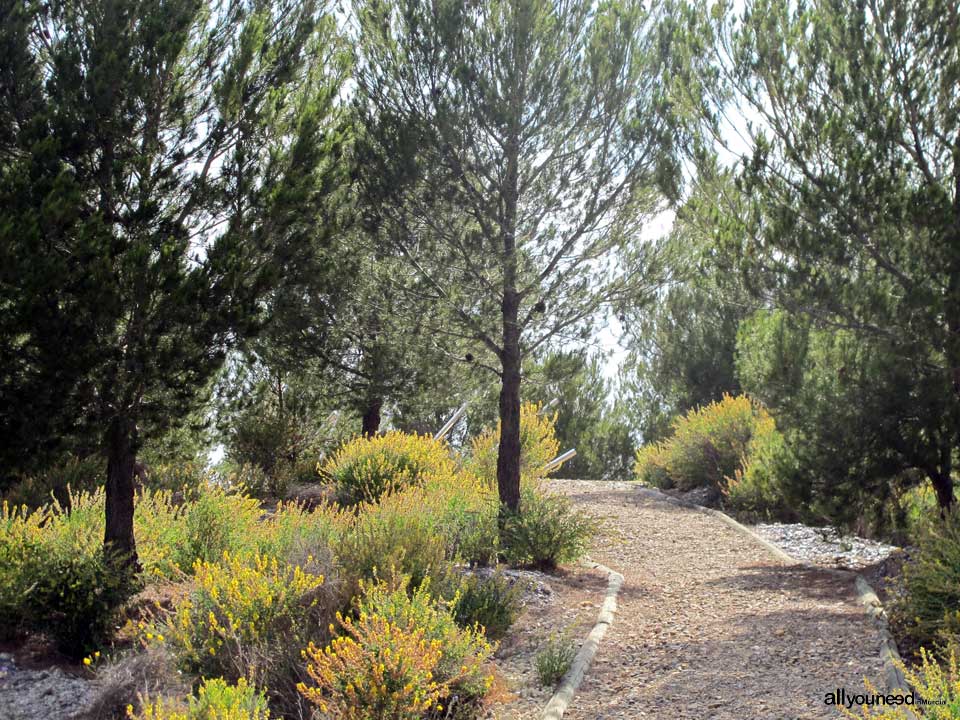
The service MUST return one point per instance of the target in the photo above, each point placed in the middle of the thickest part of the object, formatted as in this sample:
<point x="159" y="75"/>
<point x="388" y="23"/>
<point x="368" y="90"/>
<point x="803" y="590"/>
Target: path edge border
<point x="866" y="595"/>
<point x="574" y="676"/>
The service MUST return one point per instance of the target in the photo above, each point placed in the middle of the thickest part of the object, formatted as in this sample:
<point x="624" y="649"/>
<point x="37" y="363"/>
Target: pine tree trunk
<point x="371" y="417"/>
<point x="943" y="486"/>
<point x="508" y="455"/>
<point x="118" y="539"/>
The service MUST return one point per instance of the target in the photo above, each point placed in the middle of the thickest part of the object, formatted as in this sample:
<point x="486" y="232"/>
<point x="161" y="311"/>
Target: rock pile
<point x="825" y="546"/>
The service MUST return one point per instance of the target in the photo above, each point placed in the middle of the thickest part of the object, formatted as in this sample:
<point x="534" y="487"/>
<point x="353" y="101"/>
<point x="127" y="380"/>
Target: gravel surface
<point x="825" y="546"/>
<point x="563" y="604"/>
<point x="710" y="626"/>
<point x="49" y="694"/>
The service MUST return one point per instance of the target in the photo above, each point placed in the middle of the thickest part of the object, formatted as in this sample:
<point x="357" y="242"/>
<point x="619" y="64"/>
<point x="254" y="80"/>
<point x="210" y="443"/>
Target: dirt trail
<point x="710" y="625"/>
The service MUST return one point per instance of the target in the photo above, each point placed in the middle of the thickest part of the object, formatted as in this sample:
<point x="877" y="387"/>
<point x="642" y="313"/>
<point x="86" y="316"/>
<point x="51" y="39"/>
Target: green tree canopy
<point x="849" y="203"/>
<point x="152" y="157"/>
<point x="517" y="146"/>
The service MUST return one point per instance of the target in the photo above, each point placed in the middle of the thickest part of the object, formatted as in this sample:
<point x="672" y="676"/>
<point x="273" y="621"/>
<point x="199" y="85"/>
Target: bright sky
<point x="608" y="338"/>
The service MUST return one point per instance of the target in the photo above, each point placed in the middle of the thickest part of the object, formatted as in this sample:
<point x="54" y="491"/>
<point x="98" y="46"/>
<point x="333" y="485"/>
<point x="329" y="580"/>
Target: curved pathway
<point x="710" y="625"/>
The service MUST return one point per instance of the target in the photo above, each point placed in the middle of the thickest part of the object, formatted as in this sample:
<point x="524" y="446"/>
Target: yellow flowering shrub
<point x="292" y="532"/>
<point x="21" y="536"/>
<point x="366" y="468"/>
<point x="215" y="700"/>
<point x="931" y="682"/>
<point x="707" y="447"/>
<point x="395" y="534"/>
<point x="416" y="530"/>
<point x="538" y="446"/>
<point x="238" y="604"/>
<point x="402" y="653"/>
<point x="650" y="467"/>
<point x="466" y="651"/>
<point x="55" y="576"/>
<point x="378" y="669"/>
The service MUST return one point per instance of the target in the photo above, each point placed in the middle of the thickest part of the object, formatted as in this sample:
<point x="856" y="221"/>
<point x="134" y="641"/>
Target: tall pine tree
<point x="848" y="116"/>
<point x="517" y="147"/>
<point x="156" y="158"/>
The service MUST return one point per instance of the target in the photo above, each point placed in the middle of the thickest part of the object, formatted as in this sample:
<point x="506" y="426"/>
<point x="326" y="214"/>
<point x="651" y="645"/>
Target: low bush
<point x="538" y="446"/>
<point x="401" y="656"/>
<point x="366" y="468"/>
<point x="492" y="602"/>
<point x="73" y="474"/>
<point x="548" y="530"/>
<point x="215" y="700"/>
<point x="394" y="535"/>
<point x="928" y="606"/>
<point x="250" y="618"/>
<point x="129" y="680"/>
<point x="56" y="579"/>
<point x="936" y="683"/>
<point x="554" y="659"/>
<point x="757" y="490"/>
<point x="709" y="446"/>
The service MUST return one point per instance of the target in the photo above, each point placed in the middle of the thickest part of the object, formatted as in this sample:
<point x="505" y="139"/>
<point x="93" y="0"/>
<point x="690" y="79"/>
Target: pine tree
<point x="155" y="160"/>
<point x="849" y="203"/>
<point x="515" y="146"/>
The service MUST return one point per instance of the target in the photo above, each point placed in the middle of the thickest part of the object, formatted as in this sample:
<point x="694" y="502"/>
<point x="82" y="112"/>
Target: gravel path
<point x="712" y="627"/>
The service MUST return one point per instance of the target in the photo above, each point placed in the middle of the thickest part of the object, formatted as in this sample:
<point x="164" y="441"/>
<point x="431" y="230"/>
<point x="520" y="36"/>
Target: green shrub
<point x="214" y="521"/>
<point x="554" y="659"/>
<point x="928" y="608"/>
<point x="932" y="682"/>
<point x="77" y="474"/>
<point x="547" y="531"/>
<point x="465" y="651"/>
<point x="538" y="446"/>
<point x="757" y="490"/>
<point x="395" y="535"/>
<point x="56" y="579"/>
<point x="182" y="477"/>
<point x="910" y="508"/>
<point x="464" y="514"/>
<point x="492" y="602"/>
<point x="209" y="521"/>
<point x="708" y="447"/>
<point x="292" y="532"/>
<point x="266" y="439"/>
<point x="75" y="597"/>
<point x="366" y="468"/>
<point x="215" y="700"/>
<point x="250" y="618"/>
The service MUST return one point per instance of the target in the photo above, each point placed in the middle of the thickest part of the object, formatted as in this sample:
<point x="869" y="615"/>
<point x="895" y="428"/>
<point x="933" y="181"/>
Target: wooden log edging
<point x="889" y="654"/>
<point x="572" y="679"/>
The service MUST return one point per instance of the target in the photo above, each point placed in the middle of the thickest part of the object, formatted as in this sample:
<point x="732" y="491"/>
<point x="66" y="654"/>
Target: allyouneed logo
<point x="848" y="700"/>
